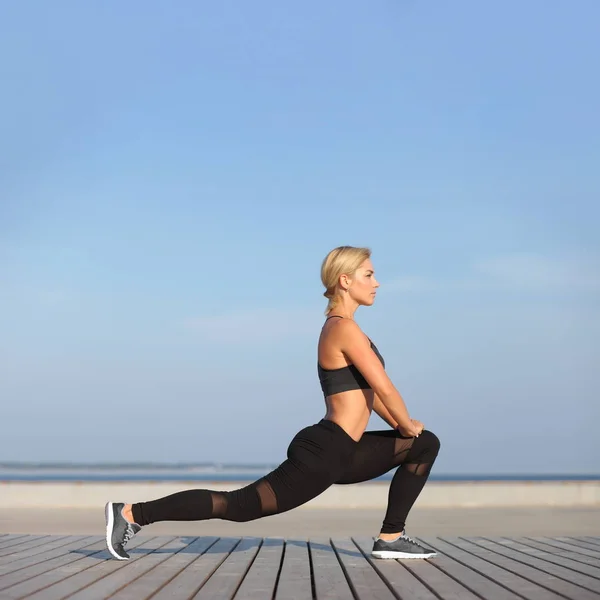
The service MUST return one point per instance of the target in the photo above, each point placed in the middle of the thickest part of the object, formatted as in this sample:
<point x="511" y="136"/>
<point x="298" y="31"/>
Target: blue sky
<point x="171" y="177"/>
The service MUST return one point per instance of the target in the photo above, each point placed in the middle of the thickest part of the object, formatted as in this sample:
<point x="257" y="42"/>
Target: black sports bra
<point x="344" y="379"/>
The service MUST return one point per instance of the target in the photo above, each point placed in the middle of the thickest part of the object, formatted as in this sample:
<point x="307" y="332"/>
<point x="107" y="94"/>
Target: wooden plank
<point x="118" y="579"/>
<point x="65" y="566"/>
<point x="186" y="583"/>
<point x="26" y="565"/>
<point x="397" y="576"/>
<point x="33" y="542"/>
<point x="449" y="561"/>
<point x="586" y="538"/>
<point x="295" y="576"/>
<point x="161" y="574"/>
<point x="560" y="549"/>
<point x="552" y="585"/>
<point x="365" y="582"/>
<point x="531" y="568"/>
<point x="12" y="537"/>
<point x="84" y="572"/>
<point x="47" y="559"/>
<point x="328" y="576"/>
<point x="261" y="578"/>
<point x="227" y="578"/>
<point x="39" y="575"/>
<point x="581" y="547"/>
<point x="6" y="553"/>
<point x="38" y="554"/>
<point x="21" y="543"/>
<point x="507" y="579"/>
<point x="548" y="562"/>
<point x="437" y="580"/>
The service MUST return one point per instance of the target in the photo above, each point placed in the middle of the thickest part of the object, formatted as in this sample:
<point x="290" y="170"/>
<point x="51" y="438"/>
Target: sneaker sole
<point x="110" y="520"/>
<point x="391" y="554"/>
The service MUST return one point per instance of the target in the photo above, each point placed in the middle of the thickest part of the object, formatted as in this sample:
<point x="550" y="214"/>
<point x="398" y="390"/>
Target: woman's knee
<point x="433" y="440"/>
<point x="425" y="448"/>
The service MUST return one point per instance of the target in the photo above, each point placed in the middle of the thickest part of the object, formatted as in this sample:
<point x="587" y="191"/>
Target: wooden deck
<point x="468" y="568"/>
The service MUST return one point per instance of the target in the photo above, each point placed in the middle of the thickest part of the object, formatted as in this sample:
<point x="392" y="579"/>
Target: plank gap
<point x="554" y="569"/>
<point x="496" y="546"/>
<point x="502" y="566"/>
<point x="559" y="552"/>
<point x="344" y="570"/>
<point x="475" y="569"/>
<point x="276" y="587"/>
<point x="437" y="565"/>
<point x="313" y="588"/>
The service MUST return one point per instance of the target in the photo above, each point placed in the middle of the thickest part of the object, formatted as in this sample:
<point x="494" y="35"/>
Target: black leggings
<point x="318" y="456"/>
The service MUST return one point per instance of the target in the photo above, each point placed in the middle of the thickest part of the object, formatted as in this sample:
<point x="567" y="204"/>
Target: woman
<point x="336" y="449"/>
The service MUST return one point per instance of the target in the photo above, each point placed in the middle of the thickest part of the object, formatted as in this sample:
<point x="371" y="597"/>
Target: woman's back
<point x="348" y="396"/>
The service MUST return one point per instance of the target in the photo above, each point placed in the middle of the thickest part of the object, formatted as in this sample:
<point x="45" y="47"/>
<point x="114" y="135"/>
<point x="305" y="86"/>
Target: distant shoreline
<point x="69" y="472"/>
<point x="371" y="494"/>
<point x="142" y="475"/>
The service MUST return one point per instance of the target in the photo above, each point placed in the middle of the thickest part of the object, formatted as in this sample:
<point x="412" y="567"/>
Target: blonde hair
<point x="341" y="260"/>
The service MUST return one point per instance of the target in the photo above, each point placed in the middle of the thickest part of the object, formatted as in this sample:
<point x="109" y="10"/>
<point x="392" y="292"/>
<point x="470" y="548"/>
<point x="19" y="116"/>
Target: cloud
<point x="258" y="325"/>
<point x="35" y="296"/>
<point x="508" y="273"/>
<point x="412" y="283"/>
<point x="515" y="272"/>
<point x="531" y="271"/>
<point x="53" y="297"/>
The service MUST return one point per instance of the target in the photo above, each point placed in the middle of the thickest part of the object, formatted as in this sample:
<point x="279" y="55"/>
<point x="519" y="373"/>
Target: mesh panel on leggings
<point x="418" y="468"/>
<point x="420" y="460"/>
<point x="219" y="505"/>
<point x="268" y="500"/>
<point x="401" y="449"/>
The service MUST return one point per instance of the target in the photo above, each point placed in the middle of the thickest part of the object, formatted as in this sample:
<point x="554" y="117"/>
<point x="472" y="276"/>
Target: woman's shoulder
<point x="341" y="328"/>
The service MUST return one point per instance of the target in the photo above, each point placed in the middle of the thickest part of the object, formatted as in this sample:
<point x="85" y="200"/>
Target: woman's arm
<point x="355" y="345"/>
<point x="383" y="412"/>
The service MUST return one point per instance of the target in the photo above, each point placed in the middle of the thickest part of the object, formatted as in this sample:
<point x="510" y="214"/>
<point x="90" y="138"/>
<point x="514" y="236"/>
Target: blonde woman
<point x="337" y="449"/>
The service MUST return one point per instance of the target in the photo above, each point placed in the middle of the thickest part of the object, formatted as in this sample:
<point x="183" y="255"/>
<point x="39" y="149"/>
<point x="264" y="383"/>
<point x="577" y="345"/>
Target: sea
<point x="56" y="472"/>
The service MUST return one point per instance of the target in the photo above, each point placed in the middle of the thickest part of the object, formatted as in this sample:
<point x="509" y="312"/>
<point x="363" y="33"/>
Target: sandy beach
<point x="519" y="521"/>
<point x="453" y="509"/>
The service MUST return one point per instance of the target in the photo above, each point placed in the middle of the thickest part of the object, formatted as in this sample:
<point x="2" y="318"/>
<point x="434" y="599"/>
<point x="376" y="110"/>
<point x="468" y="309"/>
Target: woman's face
<point x="363" y="286"/>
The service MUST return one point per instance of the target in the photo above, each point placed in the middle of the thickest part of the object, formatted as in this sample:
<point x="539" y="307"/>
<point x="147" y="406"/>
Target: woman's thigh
<point x="376" y="453"/>
<point x="316" y="458"/>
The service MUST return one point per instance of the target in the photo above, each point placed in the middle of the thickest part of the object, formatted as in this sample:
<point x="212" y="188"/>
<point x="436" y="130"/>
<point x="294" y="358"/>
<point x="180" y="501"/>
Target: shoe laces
<point x="129" y="533"/>
<point x="411" y="540"/>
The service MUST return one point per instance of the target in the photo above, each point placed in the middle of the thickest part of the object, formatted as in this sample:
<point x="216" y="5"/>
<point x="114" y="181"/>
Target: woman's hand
<point x="419" y="426"/>
<point x="414" y="430"/>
